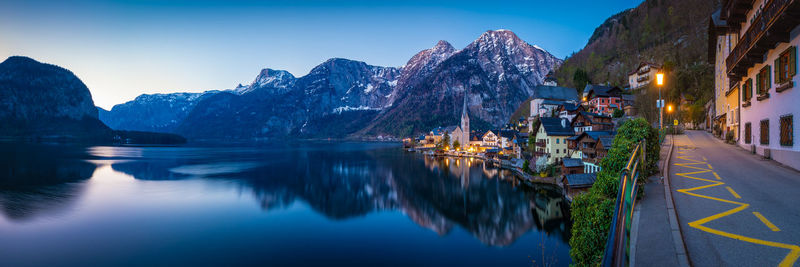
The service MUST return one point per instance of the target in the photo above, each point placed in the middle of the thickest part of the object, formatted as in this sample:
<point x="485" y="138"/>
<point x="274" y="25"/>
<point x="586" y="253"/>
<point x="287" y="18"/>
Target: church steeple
<point x="464" y="140"/>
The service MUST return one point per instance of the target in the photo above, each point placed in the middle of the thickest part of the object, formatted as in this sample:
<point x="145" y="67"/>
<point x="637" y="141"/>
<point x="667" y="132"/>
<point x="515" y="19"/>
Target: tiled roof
<point x="601" y="90"/>
<point x="556" y="126"/>
<point x="555" y="93"/>
<point x="570" y="162"/>
<point x="580" y="180"/>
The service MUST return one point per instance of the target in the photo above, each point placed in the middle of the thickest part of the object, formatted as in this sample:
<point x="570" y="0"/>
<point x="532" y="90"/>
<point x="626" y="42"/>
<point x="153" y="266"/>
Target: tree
<point x="618" y="113"/>
<point x="456" y="144"/>
<point x="580" y="79"/>
<point x="445" y="139"/>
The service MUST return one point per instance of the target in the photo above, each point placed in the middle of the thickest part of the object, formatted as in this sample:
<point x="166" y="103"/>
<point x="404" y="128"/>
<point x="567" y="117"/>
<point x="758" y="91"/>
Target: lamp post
<point x="669" y="110"/>
<point x="660" y="83"/>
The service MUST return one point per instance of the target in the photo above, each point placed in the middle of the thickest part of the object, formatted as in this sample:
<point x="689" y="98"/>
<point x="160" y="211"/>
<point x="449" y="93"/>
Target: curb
<point x="677" y="236"/>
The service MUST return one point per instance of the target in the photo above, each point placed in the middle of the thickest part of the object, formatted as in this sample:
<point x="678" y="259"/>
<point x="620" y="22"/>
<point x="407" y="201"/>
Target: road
<point x="734" y="208"/>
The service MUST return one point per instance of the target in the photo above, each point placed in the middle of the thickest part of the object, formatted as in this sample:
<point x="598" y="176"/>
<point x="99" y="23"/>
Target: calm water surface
<point x="301" y="204"/>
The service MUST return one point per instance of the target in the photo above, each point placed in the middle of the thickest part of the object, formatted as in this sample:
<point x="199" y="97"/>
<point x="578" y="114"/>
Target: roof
<point x="553" y="102"/>
<point x="580" y="180"/>
<point x="642" y="64"/>
<point x="570" y="162"/>
<point x="450" y="129"/>
<point x="598" y="134"/>
<point x="629" y="97"/>
<point x="421" y="137"/>
<point x="574" y="137"/>
<point x="601" y="90"/>
<point x="556" y="126"/>
<point x="506" y="133"/>
<point x="570" y="106"/>
<point x="476" y="135"/>
<point x="607" y="142"/>
<point x="590" y="118"/>
<point x="554" y="93"/>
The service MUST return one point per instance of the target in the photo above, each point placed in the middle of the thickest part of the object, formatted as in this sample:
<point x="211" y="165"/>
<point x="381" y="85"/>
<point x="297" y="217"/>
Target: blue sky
<point x="121" y="49"/>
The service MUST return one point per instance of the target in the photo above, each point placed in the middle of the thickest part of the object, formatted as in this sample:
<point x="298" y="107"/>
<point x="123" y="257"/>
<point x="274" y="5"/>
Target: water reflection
<point x="339" y="181"/>
<point x="40" y="180"/>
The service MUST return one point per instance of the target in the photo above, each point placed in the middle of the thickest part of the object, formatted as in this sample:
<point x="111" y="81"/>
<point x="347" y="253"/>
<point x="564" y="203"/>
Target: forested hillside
<point x="668" y="32"/>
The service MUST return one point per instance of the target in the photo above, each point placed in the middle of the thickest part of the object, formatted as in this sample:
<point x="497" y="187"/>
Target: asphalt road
<point x="734" y="208"/>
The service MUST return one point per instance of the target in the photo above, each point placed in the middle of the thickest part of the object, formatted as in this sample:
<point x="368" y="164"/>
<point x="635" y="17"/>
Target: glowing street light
<point x="669" y="108"/>
<point x="660" y="83"/>
<point x="660" y="78"/>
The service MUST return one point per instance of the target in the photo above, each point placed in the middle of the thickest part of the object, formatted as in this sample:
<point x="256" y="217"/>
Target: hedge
<point x="592" y="212"/>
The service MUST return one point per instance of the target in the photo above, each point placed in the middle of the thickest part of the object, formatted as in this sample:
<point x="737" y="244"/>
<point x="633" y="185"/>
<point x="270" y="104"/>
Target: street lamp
<point x="660" y="83"/>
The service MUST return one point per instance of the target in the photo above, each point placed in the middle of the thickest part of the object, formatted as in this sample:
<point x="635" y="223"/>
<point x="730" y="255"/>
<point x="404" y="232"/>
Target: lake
<point x="292" y="203"/>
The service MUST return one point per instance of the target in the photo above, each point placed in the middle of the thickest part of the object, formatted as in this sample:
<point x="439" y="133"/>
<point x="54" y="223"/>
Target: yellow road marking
<point x="766" y="222"/>
<point x="705" y="159"/>
<point x="709" y="166"/>
<point x="732" y="192"/>
<point x="794" y="250"/>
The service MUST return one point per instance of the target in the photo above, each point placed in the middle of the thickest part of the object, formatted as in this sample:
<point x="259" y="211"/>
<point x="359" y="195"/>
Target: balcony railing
<point x="767" y="29"/>
<point x="643" y="78"/>
<point x="540" y="144"/>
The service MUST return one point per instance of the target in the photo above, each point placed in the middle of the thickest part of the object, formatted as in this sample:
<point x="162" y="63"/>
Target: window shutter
<point x="778" y="77"/>
<point x="749" y="89"/>
<point x="743" y="90"/>
<point x="758" y="83"/>
<point x="769" y="79"/>
<point x="792" y="61"/>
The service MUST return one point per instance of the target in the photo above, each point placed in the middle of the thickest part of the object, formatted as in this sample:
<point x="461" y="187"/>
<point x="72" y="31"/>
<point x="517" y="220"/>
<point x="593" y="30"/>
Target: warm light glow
<point x="669" y="108"/>
<point x="584" y="99"/>
<point x="659" y="78"/>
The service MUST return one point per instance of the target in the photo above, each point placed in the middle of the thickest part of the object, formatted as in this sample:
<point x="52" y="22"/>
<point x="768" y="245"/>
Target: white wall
<point x="772" y="108"/>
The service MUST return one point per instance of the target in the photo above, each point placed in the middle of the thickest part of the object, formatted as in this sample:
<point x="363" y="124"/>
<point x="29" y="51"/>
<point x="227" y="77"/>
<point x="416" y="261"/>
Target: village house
<point x="546" y="99"/>
<point x="587" y="121"/>
<point x="520" y="143"/>
<point x="591" y="147"/>
<point x="760" y="62"/>
<point x="569" y="110"/>
<point x="643" y="75"/>
<point x="603" y="99"/>
<point x="727" y="108"/>
<point x="578" y="183"/>
<point x="571" y="166"/>
<point x="628" y="104"/>
<point x="490" y="139"/>
<point x="551" y="139"/>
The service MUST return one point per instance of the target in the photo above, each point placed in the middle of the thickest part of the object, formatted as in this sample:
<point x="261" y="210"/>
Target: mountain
<point x="495" y="73"/>
<point x="668" y="32"/>
<point x="334" y="90"/>
<point x="40" y="100"/>
<point x="345" y="98"/>
<point x="153" y="112"/>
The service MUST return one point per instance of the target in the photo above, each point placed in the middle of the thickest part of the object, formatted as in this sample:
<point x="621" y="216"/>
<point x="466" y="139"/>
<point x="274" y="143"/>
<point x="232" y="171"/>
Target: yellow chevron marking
<point x="794" y="250"/>
<point x="766" y="222"/>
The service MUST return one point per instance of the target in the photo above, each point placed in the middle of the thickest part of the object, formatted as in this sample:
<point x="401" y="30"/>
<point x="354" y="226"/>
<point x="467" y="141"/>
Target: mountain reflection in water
<point x="339" y="181"/>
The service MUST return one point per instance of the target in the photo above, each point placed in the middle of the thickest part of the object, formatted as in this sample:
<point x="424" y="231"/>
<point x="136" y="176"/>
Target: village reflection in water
<point x="337" y="181"/>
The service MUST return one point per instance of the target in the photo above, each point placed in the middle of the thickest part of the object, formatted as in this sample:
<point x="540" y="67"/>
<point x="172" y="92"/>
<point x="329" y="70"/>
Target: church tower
<point x="464" y="140"/>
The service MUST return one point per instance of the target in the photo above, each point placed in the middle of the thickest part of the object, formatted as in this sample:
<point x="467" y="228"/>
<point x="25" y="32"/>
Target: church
<point x="460" y="133"/>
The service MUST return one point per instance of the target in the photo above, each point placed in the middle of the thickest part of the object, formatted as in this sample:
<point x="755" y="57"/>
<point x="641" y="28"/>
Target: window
<point x="748" y="133"/>
<point x="787" y="131"/>
<point x="747" y="90"/>
<point x="764" y="129"/>
<point x="556" y="151"/>
<point x="763" y="81"/>
<point x="786" y="65"/>
<point x="557" y="140"/>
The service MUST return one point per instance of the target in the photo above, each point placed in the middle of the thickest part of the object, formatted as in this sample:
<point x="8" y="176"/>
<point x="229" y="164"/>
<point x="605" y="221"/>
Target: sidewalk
<point x="653" y="241"/>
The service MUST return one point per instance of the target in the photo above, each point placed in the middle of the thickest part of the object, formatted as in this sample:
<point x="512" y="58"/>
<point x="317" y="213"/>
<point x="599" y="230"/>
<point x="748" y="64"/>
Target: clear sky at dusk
<point x="121" y="49"/>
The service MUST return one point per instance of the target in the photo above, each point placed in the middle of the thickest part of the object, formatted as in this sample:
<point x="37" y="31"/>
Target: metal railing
<point x="617" y="247"/>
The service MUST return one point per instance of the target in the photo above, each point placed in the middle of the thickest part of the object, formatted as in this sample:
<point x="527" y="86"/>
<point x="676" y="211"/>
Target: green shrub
<point x="618" y="113"/>
<point x="592" y="212"/>
<point x="729" y="137"/>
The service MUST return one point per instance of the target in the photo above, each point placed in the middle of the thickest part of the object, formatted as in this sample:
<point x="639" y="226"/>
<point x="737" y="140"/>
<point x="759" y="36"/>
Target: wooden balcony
<point x="540" y="144"/>
<point x="735" y="11"/>
<point x="768" y="29"/>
